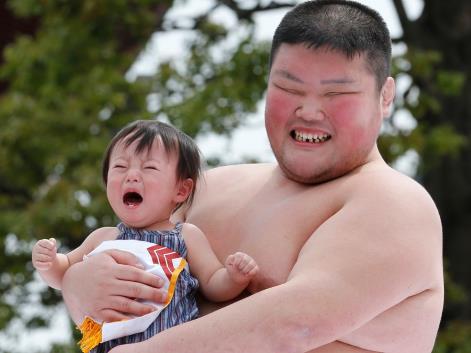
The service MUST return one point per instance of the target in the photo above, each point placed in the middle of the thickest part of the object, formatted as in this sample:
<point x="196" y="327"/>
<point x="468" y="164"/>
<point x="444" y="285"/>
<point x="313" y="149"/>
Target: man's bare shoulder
<point x="398" y="215"/>
<point x="237" y="170"/>
<point x="247" y="175"/>
<point x="384" y="213"/>
<point x="390" y="188"/>
<point x="401" y="212"/>
<point x="386" y="241"/>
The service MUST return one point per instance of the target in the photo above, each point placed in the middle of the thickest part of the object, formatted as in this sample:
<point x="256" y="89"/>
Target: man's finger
<point x="129" y="273"/>
<point x="110" y="315"/>
<point x="131" y="308"/>
<point x="131" y="269"/>
<point x="125" y="258"/>
<point x="133" y="289"/>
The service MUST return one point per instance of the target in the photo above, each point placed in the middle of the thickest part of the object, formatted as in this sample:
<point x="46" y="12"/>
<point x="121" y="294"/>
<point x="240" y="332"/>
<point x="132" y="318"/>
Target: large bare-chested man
<point x="349" y="250"/>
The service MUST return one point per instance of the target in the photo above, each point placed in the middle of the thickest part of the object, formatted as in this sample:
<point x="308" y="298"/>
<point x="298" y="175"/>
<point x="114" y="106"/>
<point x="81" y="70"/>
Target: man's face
<point x="323" y="112"/>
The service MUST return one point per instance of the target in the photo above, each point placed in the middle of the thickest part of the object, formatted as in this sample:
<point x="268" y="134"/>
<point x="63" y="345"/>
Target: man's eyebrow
<point x="337" y="81"/>
<point x="288" y="75"/>
<point x="334" y="81"/>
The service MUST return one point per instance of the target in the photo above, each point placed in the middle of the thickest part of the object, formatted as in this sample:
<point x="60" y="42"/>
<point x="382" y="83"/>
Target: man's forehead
<point x="340" y="80"/>
<point x="292" y="50"/>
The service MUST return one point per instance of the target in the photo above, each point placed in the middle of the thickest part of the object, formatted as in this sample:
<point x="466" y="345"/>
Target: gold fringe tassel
<point x="91" y="335"/>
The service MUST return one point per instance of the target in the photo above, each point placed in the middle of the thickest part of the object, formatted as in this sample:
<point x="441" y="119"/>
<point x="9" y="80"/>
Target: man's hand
<point x="106" y="287"/>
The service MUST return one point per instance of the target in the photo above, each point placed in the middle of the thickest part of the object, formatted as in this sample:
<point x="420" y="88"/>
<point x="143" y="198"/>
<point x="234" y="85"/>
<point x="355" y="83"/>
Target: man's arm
<point x="377" y="244"/>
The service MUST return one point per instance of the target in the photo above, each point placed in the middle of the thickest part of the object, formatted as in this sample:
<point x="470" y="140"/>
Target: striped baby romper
<point x="182" y="307"/>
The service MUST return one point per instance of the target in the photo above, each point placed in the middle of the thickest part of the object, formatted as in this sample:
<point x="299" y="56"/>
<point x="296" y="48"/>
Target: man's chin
<point x="303" y="176"/>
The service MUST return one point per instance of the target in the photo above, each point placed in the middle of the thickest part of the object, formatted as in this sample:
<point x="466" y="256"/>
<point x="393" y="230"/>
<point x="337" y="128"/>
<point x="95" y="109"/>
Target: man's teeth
<point x="313" y="138"/>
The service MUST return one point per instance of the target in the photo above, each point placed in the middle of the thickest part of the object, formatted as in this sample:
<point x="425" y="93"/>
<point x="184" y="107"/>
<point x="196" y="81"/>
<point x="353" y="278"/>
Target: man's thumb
<point x="125" y="258"/>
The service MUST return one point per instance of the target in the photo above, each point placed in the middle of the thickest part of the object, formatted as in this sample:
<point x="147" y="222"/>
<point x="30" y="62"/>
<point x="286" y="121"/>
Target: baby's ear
<point x="184" y="188"/>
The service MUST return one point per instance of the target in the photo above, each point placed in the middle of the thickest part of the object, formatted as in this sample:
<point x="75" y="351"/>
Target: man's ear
<point x="184" y="188"/>
<point x="387" y="96"/>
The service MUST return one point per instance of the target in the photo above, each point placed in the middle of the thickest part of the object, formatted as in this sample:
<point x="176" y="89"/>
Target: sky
<point x="248" y="141"/>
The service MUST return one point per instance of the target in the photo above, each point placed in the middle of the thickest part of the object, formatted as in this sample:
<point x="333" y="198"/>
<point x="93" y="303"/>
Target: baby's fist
<point x="241" y="267"/>
<point x="44" y="253"/>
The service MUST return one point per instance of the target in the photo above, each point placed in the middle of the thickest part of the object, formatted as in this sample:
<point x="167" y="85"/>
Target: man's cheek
<point x="348" y="122"/>
<point x="343" y="108"/>
<point x="279" y="105"/>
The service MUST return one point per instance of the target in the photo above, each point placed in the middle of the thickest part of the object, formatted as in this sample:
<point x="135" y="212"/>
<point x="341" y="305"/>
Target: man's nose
<point x="310" y="111"/>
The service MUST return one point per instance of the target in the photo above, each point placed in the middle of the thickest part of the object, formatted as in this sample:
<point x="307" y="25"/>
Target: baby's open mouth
<point x="311" y="138"/>
<point x="132" y="199"/>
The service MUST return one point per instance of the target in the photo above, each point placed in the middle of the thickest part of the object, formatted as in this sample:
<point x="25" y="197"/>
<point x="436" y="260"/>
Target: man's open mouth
<point x="311" y="138"/>
<point x="132" y="199"/>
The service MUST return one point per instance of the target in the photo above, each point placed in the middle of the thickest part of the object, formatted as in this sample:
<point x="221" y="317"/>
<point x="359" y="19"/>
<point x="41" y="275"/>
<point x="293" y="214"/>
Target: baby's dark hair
<point x="340" y="25"/>
<point x="145" y="132"/>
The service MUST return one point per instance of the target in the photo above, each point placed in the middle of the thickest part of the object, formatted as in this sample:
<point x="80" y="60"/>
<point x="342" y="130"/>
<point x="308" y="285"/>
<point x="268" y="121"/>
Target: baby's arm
<point x="229" y="281"/>
<point x="217" y="282"/>
<point x="51" y="266"/>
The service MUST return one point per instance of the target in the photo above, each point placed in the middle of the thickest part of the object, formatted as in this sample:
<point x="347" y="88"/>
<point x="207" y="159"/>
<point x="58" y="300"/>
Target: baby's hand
<point x="44" y="253"/>
<point x="241" y="267"/>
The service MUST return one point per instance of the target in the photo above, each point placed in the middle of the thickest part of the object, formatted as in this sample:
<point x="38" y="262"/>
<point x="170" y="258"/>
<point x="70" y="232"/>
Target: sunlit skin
<point x="337" y="98"/>
<point x="346" y="265"/>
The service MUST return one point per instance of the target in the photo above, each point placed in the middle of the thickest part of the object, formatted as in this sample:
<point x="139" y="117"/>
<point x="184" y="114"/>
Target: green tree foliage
<point x="438" y="63"/>
<point x="64" y="93"/>
<point x="64" y="96"/>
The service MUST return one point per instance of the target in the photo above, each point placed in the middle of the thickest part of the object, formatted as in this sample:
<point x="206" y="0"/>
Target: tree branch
<point x="167" y="26"/>
<point x="403" y="19"/>
<point x="246" y="14"/>
<point x="242" y="14"/>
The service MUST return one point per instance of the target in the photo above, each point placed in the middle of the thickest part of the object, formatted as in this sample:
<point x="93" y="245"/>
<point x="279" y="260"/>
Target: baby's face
<point x="142" y="188"/>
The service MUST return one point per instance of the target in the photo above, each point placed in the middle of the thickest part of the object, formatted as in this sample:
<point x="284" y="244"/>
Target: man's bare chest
<point x="272" y="229"/>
